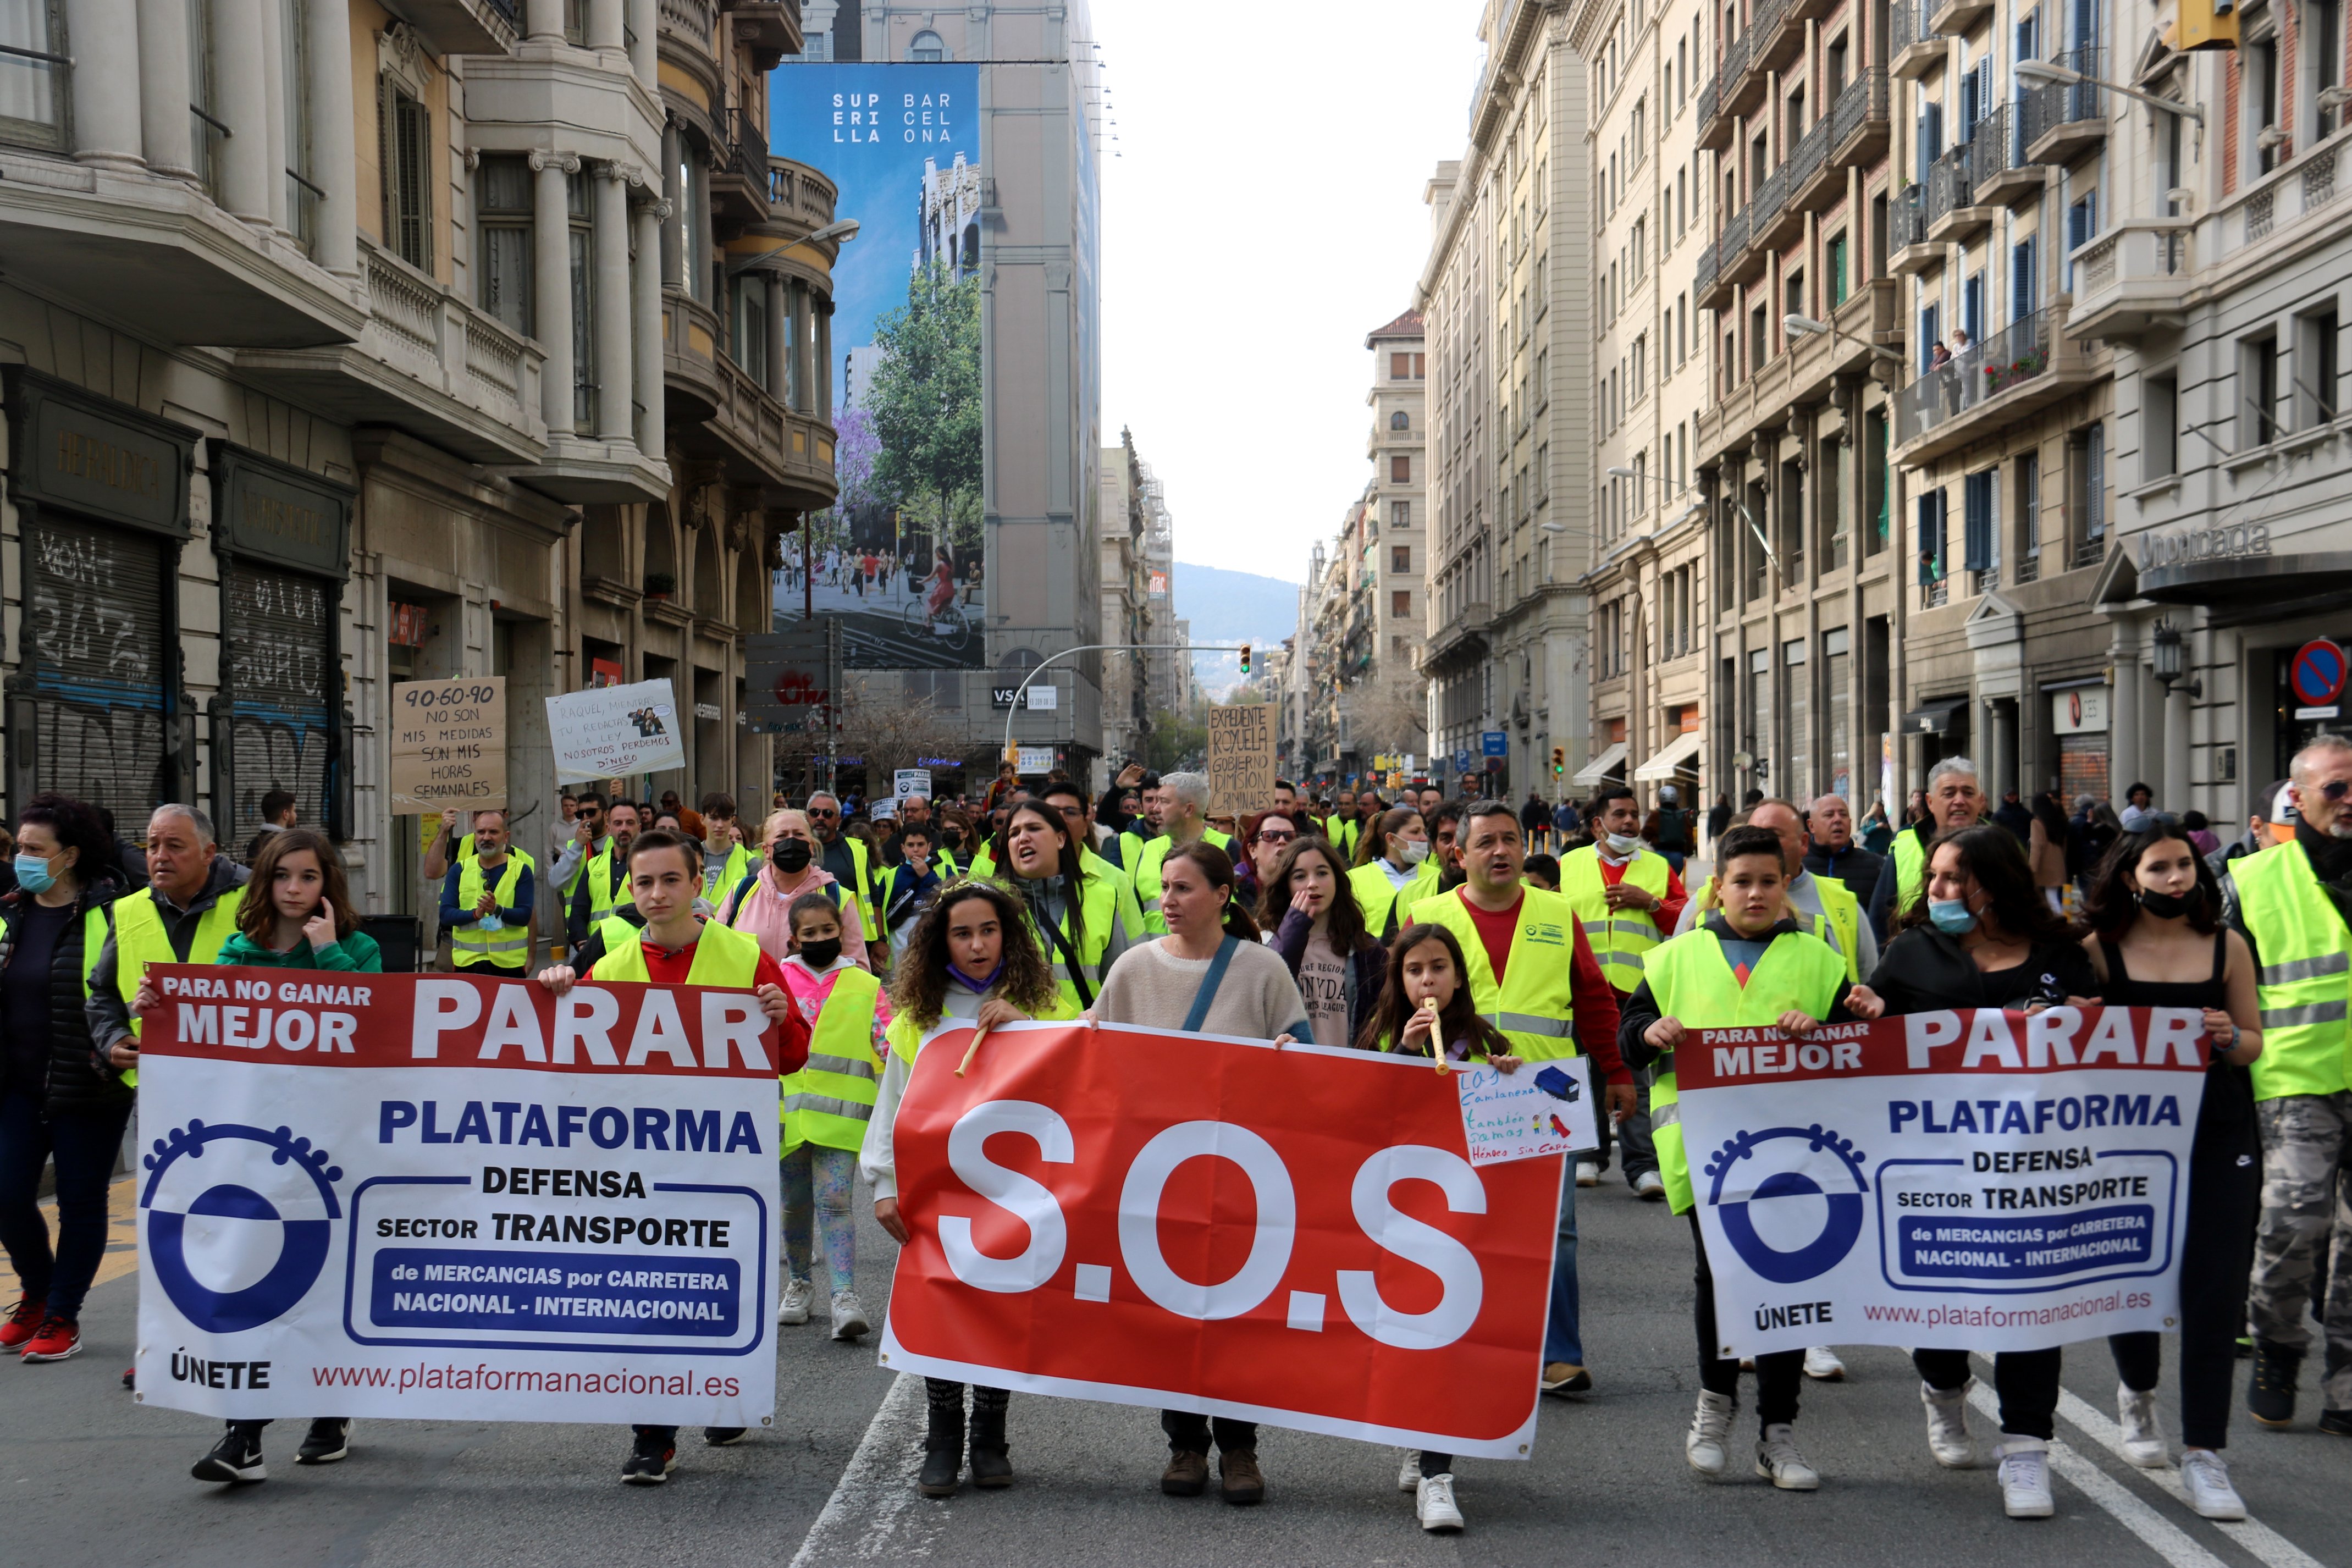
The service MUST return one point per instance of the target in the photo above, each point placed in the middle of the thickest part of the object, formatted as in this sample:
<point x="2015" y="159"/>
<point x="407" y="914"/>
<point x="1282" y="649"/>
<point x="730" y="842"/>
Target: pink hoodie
<point x="763" y="913"/>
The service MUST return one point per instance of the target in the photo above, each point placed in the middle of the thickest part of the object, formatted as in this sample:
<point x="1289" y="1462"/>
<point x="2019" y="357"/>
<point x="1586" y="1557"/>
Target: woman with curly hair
<point x="971" y="960"/>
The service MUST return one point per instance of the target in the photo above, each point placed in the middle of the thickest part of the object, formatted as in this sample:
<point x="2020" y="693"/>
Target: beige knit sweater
<point x="1256" y="999"/>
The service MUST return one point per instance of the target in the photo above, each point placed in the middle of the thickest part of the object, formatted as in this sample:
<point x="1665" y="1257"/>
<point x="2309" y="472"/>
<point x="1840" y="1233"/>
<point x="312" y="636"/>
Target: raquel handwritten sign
<point x="608" y="731"/>
<point x="1544" y="1108"/>
<point x="1241" y="758"/>
<point x="448" y="745"/>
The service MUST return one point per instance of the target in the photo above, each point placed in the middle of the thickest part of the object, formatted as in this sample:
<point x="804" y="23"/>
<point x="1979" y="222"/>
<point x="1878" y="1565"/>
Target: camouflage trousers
<point x="2306" y="1212"/>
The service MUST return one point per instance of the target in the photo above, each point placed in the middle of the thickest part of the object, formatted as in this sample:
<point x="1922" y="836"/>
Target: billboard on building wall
<point x="898" y="557"/>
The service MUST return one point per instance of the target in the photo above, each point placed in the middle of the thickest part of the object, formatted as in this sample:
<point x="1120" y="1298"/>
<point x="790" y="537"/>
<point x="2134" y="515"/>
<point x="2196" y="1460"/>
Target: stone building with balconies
<point x="328" y="337"/>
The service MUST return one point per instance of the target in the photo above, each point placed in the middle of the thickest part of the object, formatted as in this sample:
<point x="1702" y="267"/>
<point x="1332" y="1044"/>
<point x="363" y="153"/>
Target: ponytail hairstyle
<point x="1218" y="868"/>
<point x="1460" y="1019"/>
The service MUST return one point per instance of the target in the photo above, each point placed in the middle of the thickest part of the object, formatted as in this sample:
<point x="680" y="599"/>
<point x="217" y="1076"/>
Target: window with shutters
<point x="584" y="303"/>
<point x="2081" y="227"/>
<point x="2160" y="432"/>
<point x="33" y="90"/>
<point x="1399" y="470"/>
<point x="1833" y="271"/>
<point x="502" y="218"/>
<point x="1979" y="498"/>
<point x="2024" y="277"/>
<point x="407" y="180"/>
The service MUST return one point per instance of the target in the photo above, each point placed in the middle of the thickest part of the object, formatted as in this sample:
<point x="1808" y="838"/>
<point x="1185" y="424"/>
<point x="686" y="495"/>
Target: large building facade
<point x="468" y="341"/>
<point x="1506" y="299"/>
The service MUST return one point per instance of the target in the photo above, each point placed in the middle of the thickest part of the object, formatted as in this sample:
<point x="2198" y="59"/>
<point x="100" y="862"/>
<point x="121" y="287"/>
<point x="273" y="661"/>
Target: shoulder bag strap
<point x="1070" y="960"/>
<point x="1209" y="983"/>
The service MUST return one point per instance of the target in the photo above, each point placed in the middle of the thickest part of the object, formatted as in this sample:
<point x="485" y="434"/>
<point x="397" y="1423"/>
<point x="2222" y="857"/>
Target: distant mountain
<point x="1227" y="607"/>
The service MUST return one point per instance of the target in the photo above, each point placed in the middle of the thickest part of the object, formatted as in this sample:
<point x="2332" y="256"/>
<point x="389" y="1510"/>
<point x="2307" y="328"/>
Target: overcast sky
<point x="1266" y="213"/>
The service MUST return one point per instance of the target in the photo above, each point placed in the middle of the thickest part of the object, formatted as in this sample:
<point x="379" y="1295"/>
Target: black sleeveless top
<point x="2226" y="1121"/>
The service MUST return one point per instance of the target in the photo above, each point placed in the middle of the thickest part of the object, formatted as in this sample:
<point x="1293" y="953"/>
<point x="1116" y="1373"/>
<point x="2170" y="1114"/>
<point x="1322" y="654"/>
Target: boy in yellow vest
<point x="827" y="1107"/>
<point x="1748" y="965"/>
<point x="678" y="947"/>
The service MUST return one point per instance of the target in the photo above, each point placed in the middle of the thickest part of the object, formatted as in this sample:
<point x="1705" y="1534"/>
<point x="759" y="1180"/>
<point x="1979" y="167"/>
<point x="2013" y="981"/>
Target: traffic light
<point x="1246" y="652"/>
<point x="1559" y="760"/>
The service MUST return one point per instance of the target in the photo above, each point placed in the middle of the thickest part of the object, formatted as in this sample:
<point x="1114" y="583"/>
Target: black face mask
<point x="2172" y="906"/>
<point x="791" y="854"/>
<point x="821" y="954"/>
<point x="951" y="839"/>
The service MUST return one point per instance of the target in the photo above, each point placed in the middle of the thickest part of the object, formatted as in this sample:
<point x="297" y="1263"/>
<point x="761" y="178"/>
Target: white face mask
<point x="1415" y="850"/>
<point x="1623" y="844"/>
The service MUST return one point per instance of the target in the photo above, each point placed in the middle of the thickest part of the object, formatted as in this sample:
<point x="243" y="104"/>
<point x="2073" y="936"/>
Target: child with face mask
<point x="826" y="1108"/>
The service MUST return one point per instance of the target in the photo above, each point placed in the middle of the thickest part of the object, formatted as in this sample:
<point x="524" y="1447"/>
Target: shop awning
<point x="1935" y="719"/>
<point x="1669" y="763"/>
<point x="1601" y="766"/>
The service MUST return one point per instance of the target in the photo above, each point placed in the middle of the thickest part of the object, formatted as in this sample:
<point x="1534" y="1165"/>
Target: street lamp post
<point x="2062" y="76"/>
<point x="1806" y="326"/>
<point x="1021" y="697"/>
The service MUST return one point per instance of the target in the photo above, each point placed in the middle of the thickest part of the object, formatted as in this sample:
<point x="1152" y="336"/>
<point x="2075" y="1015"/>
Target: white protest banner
<point x="1034" y="760"/>
<point x="607" y="732"/>
<point x="1986" y="1180"/>
<point x="445" y="1198"/>
<point x="448" y="745"/>
<point x="1541" y="1108"/>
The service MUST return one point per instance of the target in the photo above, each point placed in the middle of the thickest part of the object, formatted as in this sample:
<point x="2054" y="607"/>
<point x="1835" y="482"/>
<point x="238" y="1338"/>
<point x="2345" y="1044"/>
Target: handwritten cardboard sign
<point x="448" y="745"/>
<point x="610" y="731"/>
<point x="1544" y="1108"/>
<point x="1241" y="758"/>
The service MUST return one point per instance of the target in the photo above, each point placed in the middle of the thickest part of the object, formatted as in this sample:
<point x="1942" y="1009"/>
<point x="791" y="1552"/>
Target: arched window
<point x="927" y="49"/>
<point x="1400" y="420"/>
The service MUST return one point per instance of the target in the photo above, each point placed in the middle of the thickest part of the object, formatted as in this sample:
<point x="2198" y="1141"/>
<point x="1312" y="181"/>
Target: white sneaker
<point x="1433" y="1505"/>
<point x="1777" y="1462"/>
<point x="1706" y="1444"/>
<point x="1823" y="1366"/>
<point x="2143" y="1438"/>
<point x="2025" y="1478"/>
<point x="1408" y="1472"/>
<point x="2208" y="1481"/>
<point x="792" y="1306"/>
<point x="848" y="1316"/>
<point x="1651" y="1186"/>
<point x="1588" y="1174"/>
<point x="1947" y="1426"/>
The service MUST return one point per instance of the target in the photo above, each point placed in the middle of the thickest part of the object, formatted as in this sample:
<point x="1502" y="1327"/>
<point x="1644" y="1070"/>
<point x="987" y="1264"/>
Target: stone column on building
<point x="608" y="251"/>
<point x="673" y="189"/>
<point x="543" y="21"/>
<point x="164" y="123"/>
<point x="552" y="278"/>
<point x="644" y="21"/>
<point x="652" y="439"/>
<point x="781" y="341"/>
<point x="103" y="90"/>
<point x="2173" y="792"/>
<point x="2123" y="710"/>
<point x="242" y="88"/>
<point x="604" y="24"/>
<point x="276" y="154"/>
<point x="334" y="158"/>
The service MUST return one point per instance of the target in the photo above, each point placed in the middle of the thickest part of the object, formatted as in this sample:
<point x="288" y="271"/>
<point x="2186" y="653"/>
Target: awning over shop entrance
<point x="1601" y="766"/>
<point x="1669" y="763"/>
<point x="1934" y="719"/>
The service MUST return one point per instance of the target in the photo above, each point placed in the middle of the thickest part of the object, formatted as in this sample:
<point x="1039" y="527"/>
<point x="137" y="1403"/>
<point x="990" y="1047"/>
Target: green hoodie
<point x="356" y="952"/>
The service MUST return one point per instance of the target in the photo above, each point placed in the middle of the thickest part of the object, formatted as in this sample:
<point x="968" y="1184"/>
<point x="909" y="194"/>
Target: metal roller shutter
<point x="96" y="618"/>
<point x="277" y="639"/>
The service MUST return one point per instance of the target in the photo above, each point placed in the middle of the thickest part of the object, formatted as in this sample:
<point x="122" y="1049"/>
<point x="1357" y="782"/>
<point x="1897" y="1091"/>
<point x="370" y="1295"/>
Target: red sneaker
<point x="22" y="1320"/>
<point x="58" y="1338"/>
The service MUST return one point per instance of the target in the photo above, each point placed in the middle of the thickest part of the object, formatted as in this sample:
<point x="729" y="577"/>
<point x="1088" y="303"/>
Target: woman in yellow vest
<point x="1393" y="870"/>
<point x="826" y="1106"/>
<point x="1075" y="916"/>
<point x="1748" y="965"/>
<point x="970" y="960"/>
<point x="679" y="947"/>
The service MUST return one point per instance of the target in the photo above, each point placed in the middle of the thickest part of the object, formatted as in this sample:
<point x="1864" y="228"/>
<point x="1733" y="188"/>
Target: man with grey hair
<point x="843" y="857"/>
<point x="1184" y="817"/>
<point x="184" y="915"/>
<point x="1956" y="798"/>
<point x="2293" y="903"/>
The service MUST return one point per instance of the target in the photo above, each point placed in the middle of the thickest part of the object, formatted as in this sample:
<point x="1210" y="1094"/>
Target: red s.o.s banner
<point x="1198" y="1222"/>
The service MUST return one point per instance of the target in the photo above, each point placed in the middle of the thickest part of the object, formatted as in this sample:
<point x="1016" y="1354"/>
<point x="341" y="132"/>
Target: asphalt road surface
<point x="88" y="1477"/>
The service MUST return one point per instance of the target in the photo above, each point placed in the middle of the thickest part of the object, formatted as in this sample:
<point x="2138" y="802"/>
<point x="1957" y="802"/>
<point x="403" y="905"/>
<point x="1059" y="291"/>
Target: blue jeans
<point x="85" y="1146"/>
<point x="1564" y="1329"/>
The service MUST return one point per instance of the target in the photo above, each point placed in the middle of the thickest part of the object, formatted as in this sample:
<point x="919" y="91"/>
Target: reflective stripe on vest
<point x="721" y="957"/>
<point x="600" y="890"/>
<point x="1619" y="938"/>
<point x="508" y="947"/>
<point x="1693" y="982"/>
<point x="1535" y="1005"/>
<point x="829" y="1101"/>
<point x="2306" y="979"/>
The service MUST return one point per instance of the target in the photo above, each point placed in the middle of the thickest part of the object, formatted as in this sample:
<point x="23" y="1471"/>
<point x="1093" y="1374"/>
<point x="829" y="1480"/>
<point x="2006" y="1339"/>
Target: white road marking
<point x="871" y="1509"/>
<point x="2258" y="1540"/>
<point x="2162" y="1536"/>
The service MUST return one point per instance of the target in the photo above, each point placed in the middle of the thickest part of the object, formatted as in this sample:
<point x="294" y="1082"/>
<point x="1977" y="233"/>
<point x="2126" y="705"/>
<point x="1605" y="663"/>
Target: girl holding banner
<point x="2156" y="941"/>
<point x="970" y="960"/>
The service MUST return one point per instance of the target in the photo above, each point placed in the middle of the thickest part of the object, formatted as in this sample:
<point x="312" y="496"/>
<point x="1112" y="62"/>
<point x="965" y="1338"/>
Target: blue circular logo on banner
<point x="1803" y="1212"/>
<point x="238" y="1222"/>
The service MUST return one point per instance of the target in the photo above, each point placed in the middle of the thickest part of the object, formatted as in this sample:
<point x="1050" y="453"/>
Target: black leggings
<point x="1780" y="1374"/>
<point x="2216" y="1259"/>
<point x="2027" y="1382"/>
<point x="1189" y="1432"/>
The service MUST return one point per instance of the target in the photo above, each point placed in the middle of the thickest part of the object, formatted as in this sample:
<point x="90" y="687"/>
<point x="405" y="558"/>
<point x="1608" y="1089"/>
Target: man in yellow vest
<point x="487" y="901"/>
<point x="184" y="915"/>
<point x="678" y="947"/>
<point x="1184" y="817"/>
<point x="1748" y="965"/>
<point x="1956" y="798"/>
<point x="1534" y="975"/>
<point x="2293" y="903"/>
<point x="845" y="857"/>
<point x="1627" y="898"/>
<point x="603" y="885"/>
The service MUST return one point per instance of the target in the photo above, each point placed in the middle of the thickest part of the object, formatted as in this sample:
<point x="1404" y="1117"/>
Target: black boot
<point x="2270" y="1396"/>
<point x="944" y="1441"/>
<point x="990" y="1465"/>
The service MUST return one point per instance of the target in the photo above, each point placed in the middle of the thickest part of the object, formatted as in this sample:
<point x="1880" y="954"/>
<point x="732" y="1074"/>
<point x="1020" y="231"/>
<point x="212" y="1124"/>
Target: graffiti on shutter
<point x="96" y="630"/>
<point x="278" y="684"/>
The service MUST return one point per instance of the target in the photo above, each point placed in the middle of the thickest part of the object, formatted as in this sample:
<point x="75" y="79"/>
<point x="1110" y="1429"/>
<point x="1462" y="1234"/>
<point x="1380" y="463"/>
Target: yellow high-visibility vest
<point x="1535" y="1005"/>
<point x="722" y="957"/>
<point x="1619" y="937"/>
<point x="829" y="1101"/>
<point x="2306" y="981"/>
<point x="507" y="947"/>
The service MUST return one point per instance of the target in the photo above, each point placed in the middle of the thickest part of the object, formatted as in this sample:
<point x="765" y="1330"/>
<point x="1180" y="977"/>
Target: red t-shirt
<point x="1595" y="999"/>
<point x="667" y="968"/>
<point x="1496" y="927"/>
<point x="1670" y="902"/>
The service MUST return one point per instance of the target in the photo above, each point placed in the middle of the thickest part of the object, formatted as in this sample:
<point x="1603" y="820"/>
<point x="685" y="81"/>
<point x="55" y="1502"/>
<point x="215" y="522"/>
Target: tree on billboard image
<point x="925" y="405"/>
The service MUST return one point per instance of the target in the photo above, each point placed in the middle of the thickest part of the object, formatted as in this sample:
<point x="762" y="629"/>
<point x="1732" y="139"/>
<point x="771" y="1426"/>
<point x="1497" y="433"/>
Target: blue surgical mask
<point x="33" y="873"/>
<point x="1952" y="916"/>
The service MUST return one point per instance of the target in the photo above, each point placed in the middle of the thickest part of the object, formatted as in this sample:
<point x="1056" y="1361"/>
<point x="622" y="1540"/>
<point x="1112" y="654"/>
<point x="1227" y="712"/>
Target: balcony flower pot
<point x="661" y="585"/>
